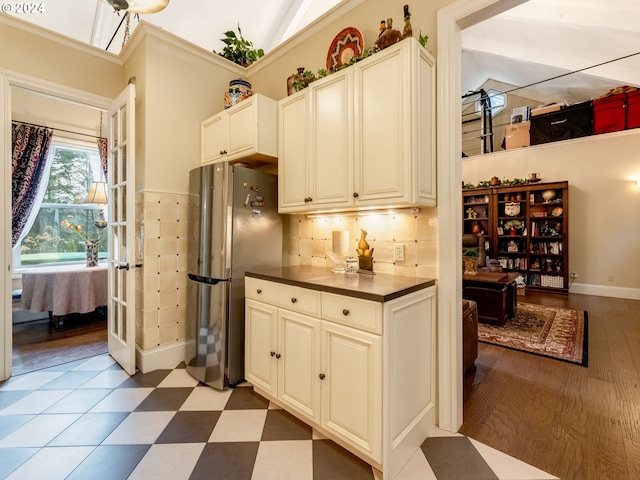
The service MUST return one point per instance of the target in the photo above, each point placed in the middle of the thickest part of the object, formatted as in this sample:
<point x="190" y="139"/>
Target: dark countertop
<point x="378" y="287"/>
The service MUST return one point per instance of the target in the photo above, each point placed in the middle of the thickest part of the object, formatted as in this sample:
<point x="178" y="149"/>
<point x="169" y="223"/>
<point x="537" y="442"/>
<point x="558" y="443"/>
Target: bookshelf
<point x="525" y="228"/>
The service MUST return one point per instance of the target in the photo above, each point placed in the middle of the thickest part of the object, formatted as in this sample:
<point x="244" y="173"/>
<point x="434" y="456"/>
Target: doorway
<point x="32" y="340"/>
<point x="451" y="20"/>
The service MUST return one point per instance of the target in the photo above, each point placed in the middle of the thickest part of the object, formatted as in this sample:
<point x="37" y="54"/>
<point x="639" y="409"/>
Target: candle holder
<point x="338" y="259"/>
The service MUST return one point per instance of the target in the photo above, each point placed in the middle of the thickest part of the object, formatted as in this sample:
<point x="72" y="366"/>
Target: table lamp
<point x="98" y="195"/>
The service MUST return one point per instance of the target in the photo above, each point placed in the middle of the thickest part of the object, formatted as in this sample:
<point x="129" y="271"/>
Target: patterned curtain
<point x="30" y="148"/>
<point x="103" y="150"/>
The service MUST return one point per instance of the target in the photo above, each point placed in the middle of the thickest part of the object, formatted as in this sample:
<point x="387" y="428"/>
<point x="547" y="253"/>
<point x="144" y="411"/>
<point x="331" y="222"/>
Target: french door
<point x="121" y="308"/>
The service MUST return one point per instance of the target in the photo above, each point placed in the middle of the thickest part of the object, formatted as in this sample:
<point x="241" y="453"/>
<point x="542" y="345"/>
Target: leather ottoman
<point x="469" y="333"/>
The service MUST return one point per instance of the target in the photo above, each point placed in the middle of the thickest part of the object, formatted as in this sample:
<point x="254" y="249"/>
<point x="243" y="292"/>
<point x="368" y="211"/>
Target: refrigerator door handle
<point x="210" y="281"/>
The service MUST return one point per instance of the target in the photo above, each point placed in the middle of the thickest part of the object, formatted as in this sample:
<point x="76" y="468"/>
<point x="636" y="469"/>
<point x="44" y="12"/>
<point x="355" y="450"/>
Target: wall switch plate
<point x="398" y="252"/>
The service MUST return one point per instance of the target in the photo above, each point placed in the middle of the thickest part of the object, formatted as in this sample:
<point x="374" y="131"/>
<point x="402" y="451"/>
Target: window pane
<point x="49" y="241"/>
<point x="63" y="222"/>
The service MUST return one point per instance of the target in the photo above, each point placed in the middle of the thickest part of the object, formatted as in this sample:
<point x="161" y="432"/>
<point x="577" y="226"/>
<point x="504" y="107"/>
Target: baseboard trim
<point x="165" y="357"/>
<point x="604" y="291"/>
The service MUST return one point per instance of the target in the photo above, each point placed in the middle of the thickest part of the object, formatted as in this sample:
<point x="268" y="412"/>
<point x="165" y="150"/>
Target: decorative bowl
<point x="556" y="212"/>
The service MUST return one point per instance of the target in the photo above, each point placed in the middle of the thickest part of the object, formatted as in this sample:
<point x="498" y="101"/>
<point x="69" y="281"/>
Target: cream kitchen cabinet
<point x="361" y="371"/>
<point x="361" y="137"/>
<point x="244" y="131"/>
<point x="305" y="362"/>
<point x="315" y="160"/>
<point x="394" y="131"/>
<point x="282" y="344"/>
<point x="282" y="353"/>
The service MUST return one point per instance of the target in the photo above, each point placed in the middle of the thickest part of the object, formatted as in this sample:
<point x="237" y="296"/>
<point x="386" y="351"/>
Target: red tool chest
<point x="633" y="109"/>
<point x="610" y="113"/>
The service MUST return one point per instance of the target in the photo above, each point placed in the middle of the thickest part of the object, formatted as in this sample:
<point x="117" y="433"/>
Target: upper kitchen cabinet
<point x="246" y="131"/>
<point x="315" y="164"/>
<point x="395" y="128"/>
<point x="361" y="137"/>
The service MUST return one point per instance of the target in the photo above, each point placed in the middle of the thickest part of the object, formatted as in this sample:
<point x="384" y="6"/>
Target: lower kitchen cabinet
<point x="282" y="353"/>
<point x="362" y="372"/>
<point x="351" y="389"/>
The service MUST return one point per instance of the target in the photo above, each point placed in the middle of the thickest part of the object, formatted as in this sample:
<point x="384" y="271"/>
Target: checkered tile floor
<point x="90" y="420"/>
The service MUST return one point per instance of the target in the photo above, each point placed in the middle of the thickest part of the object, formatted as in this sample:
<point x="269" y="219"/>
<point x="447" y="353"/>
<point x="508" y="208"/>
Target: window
<point x="72" y="168"/>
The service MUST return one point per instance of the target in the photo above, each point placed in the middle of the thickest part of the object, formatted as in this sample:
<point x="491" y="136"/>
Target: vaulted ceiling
<point x="545" y="39"/>
<point x="266" y="23"/>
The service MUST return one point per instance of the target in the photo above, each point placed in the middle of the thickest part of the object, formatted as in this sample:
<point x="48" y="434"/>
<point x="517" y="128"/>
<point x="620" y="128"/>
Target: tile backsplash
<point x="309" y="240"/>
<point x="161" y="288"/>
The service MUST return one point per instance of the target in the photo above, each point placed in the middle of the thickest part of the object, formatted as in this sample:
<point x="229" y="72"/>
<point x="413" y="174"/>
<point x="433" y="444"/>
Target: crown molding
<point x="50" y="36"/>
<point x="145" y="29"/>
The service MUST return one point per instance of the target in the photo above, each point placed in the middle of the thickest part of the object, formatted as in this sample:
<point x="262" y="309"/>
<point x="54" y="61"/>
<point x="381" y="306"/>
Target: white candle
<point x="340" y="241"/>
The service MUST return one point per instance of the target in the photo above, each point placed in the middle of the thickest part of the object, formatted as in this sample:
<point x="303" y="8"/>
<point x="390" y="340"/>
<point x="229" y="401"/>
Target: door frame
<point x="451" y="20"/>
<point x="9" y="80"/>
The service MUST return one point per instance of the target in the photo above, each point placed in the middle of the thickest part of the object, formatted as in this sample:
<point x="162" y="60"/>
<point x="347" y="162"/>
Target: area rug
<point x="554" y="332"/>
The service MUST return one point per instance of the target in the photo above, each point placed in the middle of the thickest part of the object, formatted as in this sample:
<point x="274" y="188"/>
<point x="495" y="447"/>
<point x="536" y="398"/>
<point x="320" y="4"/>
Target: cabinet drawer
<point x="282" y="295"/>
<point x="353" y="312"/>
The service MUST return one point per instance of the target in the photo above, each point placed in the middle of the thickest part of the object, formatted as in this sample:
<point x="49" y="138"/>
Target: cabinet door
<point x="352" y="387"/>
<point x="212" y="141"/>
<point x="331" y="149"/>
<point x="242" y="129"/>
<point x="299" y="363"/>
<point x="260" y="341"/>
<point x="293" y="193"/>
<point x="383" y="129"/>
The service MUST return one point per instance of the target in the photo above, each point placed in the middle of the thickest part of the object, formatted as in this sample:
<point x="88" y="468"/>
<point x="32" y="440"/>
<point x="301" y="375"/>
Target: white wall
<point x="603" y="203"/>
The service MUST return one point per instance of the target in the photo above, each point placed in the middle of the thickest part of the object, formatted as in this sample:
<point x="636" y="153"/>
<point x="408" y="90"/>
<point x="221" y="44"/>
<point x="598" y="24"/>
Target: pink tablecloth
<point x="64" y="289"/>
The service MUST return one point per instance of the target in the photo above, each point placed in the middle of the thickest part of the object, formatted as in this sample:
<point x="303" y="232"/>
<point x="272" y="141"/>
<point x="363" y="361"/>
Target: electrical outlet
<point x="611" y="277"/>
<point x="398" y="252"/>
<point x="574" y="275"/>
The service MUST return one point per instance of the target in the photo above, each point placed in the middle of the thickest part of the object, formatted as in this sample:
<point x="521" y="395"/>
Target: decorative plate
<point x="346" y="45"/>
<point x="556" y="212"/>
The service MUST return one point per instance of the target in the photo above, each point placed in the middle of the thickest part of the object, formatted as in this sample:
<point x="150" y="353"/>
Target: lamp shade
<point x="97" y="193"/>
<point x="138" y="6"/>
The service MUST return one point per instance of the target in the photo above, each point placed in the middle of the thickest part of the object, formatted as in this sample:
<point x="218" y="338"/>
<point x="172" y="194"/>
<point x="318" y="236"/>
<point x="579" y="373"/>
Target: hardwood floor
<point x="574" y="422"/>
<point x="37" y="344"/>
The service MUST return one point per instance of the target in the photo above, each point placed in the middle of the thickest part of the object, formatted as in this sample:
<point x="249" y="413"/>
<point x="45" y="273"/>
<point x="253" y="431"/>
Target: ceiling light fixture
<point x="138" y="6"/>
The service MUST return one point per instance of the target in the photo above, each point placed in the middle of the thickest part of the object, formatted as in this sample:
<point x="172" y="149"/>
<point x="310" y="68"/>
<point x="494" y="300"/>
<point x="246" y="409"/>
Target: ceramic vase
<point x="92" y="253"/>
<point x="239" y="90"/>
<point x="296" y="77"/>
<point x="351" y="265"/>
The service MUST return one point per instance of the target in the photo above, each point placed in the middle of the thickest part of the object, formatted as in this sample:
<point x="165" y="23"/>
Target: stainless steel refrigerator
<point x="235" y="227"/>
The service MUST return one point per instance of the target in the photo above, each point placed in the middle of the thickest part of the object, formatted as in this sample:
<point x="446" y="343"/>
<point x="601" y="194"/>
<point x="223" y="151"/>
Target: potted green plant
<point x="238" y="49"/>
<point x="470" y="262"/>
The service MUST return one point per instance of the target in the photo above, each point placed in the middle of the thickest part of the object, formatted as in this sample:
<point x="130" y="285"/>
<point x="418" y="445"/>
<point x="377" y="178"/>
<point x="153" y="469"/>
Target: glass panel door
<point x="121" y="323"/>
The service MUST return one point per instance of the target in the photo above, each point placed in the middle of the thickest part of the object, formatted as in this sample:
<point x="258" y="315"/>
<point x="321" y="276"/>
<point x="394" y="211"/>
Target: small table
<point x="64" y="289"/>
<point x="494" y="293"/>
